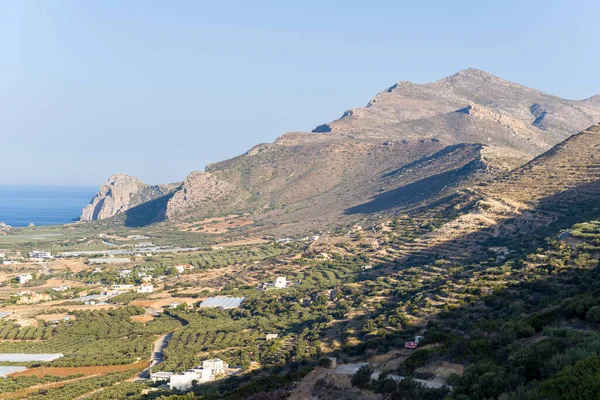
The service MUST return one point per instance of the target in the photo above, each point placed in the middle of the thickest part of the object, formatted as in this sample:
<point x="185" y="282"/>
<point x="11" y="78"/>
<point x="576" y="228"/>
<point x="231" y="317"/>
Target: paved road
<point x="350" y="369"/>
<point x="157" y="353"/>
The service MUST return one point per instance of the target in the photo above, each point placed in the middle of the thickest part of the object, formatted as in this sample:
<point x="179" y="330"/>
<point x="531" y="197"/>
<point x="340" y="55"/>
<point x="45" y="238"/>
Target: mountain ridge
<point x="307" y="176"/>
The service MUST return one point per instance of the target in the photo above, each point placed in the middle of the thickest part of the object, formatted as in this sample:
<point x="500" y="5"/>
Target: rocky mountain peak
<point x="123" y="179"/>
<point x="474" y="73"/>
<point x="120" y="193"/>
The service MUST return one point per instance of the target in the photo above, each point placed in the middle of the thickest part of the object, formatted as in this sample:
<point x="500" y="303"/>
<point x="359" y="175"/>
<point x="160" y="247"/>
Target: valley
<point x="441" y="243"/>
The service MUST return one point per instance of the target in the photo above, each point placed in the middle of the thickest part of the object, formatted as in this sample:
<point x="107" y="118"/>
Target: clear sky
<point x="157" y="89"/>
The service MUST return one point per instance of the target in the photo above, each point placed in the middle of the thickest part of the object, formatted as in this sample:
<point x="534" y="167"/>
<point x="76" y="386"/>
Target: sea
<point x="21" y="205"/>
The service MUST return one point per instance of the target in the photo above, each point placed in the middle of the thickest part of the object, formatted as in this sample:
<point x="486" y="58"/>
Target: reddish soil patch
<point x="142" y="318"/>
<point x="93" y="370"/>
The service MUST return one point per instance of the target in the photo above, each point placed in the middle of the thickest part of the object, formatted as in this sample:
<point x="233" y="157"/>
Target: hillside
<point x="553" y="191"/>
<point x="412" y="144"/>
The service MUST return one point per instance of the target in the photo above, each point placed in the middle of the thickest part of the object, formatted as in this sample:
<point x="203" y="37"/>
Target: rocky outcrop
<point x="120" y="193"/>
<point x="201" y="191"/>
<point x="5" y="229"/>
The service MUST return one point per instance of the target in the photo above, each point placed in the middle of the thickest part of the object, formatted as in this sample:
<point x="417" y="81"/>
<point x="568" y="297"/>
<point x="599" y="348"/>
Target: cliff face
<point x="120" y="193"/>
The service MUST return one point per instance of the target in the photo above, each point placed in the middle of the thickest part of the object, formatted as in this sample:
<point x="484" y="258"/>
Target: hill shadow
<point x="416" y="192"/>
<point x="147" y="213"/>
<point x="526" y="231"/>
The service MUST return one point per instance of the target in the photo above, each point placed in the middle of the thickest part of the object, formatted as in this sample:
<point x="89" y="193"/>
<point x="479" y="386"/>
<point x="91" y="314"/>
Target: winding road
<point x="157" y="354"/>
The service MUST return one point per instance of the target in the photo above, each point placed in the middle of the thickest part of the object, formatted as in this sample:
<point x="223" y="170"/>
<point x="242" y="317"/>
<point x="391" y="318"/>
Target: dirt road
<point x="350" y="369"/>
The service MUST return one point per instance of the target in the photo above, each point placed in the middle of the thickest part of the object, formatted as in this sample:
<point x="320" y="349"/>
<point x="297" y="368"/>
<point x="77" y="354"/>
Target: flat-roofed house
<point x="280" y="282"/>
<point x="160" y="376"/>
<point x="144" y="288"/>
<point x="215" y="364"/>
<point x="41" y="255"/>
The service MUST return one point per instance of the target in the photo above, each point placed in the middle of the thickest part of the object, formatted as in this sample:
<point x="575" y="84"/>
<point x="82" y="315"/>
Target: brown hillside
<point x="412" y="145"/>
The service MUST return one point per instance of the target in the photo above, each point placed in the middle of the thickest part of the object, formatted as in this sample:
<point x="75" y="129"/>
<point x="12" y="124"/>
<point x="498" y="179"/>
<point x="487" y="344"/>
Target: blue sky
<point x="157" y="89"/>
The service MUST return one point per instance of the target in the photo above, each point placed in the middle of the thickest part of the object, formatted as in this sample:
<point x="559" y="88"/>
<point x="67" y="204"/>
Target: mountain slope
<point x="553" y="191"/>
<point x="444" y="135"/>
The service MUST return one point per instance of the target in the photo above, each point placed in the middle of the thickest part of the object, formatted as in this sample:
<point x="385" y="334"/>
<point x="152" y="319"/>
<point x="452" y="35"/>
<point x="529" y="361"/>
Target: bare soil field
<point x="88" y="372"/>
<point x="159" y="303"/>
<point x="218" y="225"/>
<point x="142" y="318"/>
<point x="31" y="311"/>
<point x="75" y="265"/>
<point x="52" y="317"/>
<point x="94" y="370"/>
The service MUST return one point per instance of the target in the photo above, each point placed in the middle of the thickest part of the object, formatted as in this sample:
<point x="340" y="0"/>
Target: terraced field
<point x="555" y="189"/>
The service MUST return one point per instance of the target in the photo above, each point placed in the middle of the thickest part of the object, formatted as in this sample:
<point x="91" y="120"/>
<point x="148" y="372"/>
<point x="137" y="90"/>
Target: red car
<point x="411" y="345"/>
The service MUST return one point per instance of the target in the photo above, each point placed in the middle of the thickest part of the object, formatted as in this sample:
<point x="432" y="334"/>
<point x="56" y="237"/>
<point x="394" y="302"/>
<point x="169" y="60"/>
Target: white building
<point x="182" y="268"/>
<point x="40" y="254"/>
<point x="281" y="282"/>
<point x="160" y="376"/>
<point x="124" y="273"/>
<point x="186" y="379"/>
<point x="145" y="289"/>
<point x="24" y="278"/>
<point x="61" y="288"/>
<point x="216" y="365"/>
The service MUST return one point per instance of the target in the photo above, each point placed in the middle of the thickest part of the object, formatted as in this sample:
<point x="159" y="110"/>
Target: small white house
<point x="271" y="336"/>
<point x="182" y="268"/>
<point x="281" y="282"/>
<point x="145" y="288"/>
<point x="62" y="288"/>
<point x="24" y="278"/>
<point x="124" y="273"/>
